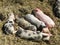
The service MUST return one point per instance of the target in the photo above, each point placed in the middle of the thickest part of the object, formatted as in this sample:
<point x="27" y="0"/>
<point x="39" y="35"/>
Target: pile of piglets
<point x="32" y="26"/>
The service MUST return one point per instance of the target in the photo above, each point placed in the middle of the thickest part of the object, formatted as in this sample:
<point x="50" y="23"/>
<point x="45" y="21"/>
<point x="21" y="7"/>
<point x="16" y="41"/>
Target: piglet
<point x="43" y="17"/>
<point x="32" y="19"/>
<point x="8" y="27"/>
<point x="32" y="35"/>
<point x="25" y="24"/>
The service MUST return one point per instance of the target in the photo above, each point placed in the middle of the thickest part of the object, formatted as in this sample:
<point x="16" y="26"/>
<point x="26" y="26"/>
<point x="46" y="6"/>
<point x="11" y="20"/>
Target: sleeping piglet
<point x="25" y="24"/>
<point x="32" y="19"/>
<point x="43" y="17"/>
<point x="32" y="35"/>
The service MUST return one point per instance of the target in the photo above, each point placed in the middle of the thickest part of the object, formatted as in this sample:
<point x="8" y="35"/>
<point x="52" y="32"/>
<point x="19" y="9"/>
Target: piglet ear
<point x="37" y="9"/>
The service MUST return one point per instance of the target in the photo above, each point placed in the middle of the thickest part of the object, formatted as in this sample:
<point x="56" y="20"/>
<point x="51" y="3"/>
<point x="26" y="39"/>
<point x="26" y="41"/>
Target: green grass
<point x="7" y="6"/>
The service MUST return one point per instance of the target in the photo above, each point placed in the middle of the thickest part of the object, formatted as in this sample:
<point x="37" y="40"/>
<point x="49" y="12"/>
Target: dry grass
<point x="7" y="6"/>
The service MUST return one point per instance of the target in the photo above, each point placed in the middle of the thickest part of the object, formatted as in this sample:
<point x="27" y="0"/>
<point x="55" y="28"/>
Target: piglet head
<point x="35" y="11"/>
<point x="11" y="15"/>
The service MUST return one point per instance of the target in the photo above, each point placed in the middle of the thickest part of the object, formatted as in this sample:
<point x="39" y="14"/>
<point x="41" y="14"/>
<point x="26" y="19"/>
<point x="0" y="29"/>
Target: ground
<point x="22" y="7"/>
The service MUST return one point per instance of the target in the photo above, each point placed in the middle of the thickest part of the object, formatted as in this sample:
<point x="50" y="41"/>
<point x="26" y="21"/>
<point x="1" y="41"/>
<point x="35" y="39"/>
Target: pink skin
<point x="46" y="30"/>
<point x="47" y="33"/>
<point x="43" y="17"/>
<point x="46" y="19"/>
<point x="40" y="15"/>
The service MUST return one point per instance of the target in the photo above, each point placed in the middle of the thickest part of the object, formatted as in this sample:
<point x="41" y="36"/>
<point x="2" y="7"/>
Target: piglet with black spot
<point x="28" y="34"/>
